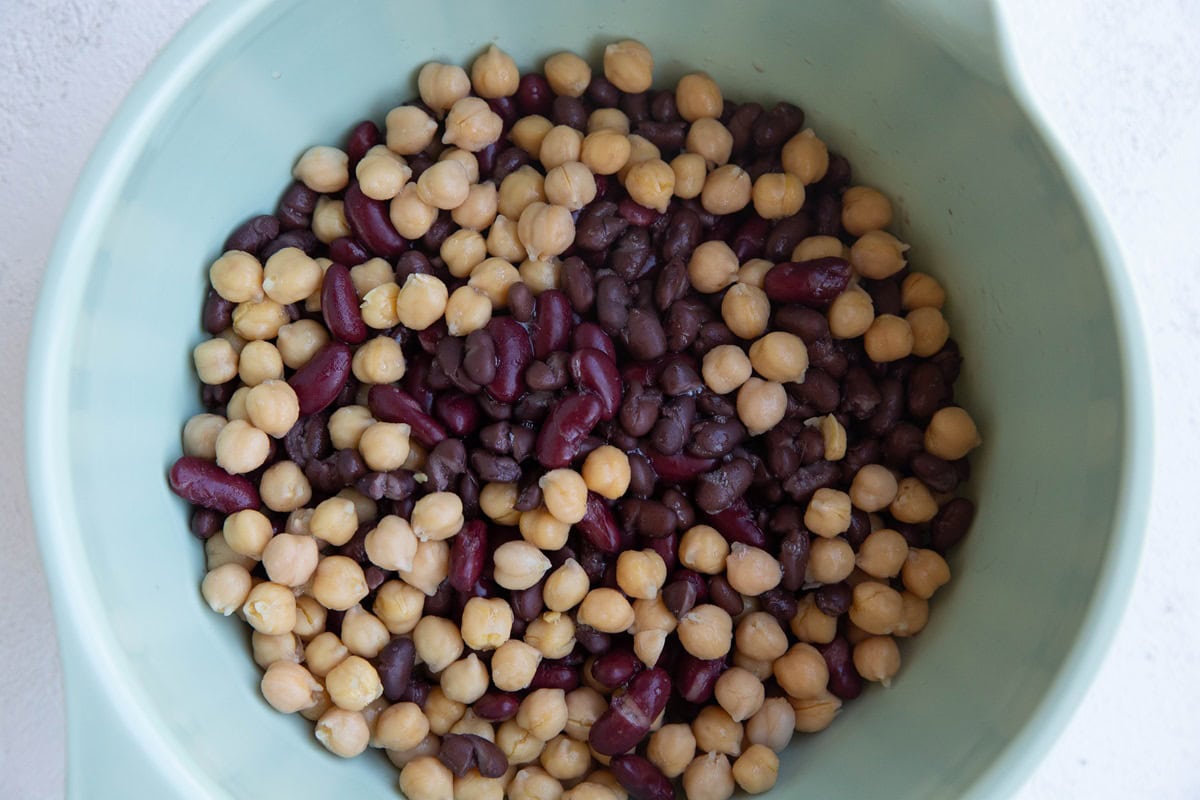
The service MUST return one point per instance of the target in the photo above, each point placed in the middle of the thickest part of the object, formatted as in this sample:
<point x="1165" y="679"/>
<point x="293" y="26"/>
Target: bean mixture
<point x="572" y="439"/>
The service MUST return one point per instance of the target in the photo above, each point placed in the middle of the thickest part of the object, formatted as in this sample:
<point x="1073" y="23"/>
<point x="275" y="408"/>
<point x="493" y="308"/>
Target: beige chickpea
<point x="876" y="607"/>
<point x="889" y="338"/>
<point x="829" y="561"/>
<point x="608" y="119"/>
<point x="565" y="759"/>
<point x="299" y="341"/>
<point x="513" y="665"/>
<point x="379" y="360"/>
<point x="409" y="130"/>
<point x="703" y="549"/>
<point x="812" y="247"/>
<point x="865" y="209"/>
<point x="496" y="501"/>
<point x="761" y="405"/>
<point x="759" y="668"/>
<point x="272" y="407"/>
<point x="772" y="725"/>
<point x="708" y="777"/>
<point x="528" y="132"/>
<point x="760" y="637"/>
<point x="289" y="687"/>
<point x="467" y="310"/>
<point x="752" y="571"/>
<point x="914" y="503"/>
<point x="691" y="170"/>
<point x="218" y="553"/>
<point x="235" y="409"/>
<point x="486" y="623"/>
<point x="606" y="610"/>
<point x="478" y="211"/>
<point x="629" y="66"/>
<point x="409" y="214"/>
<point x="640" y="149"/>
<point x="725" y="368"/>
<point x="780" y="356"/>
<point x="426" y="778"/>
<point x="429" y="746"/>
<point x="545" y="230"/>
<point x="370" y="275"/>
<point x="290" y="275"/>
<point x="671" y="748"/>
<point x="584" y="706"/>
<point x="339" y="583"/>
<point x="606" y="472"/>
<point x="353" y="684"/>
<point x="812" y="625"/>
<point x="727" y="190"/>
<point x="520" y="189"/>
<point x="201" y="431"/>
<point x="343" y="733"/>
<point x="914" y="615"/>
<point x="534" y="783"/>
<point x="442" y="85"/>
<point x="648" y="646"/>
<point x="929" y="330"/>
<point x="568" y="74"/>
<point x="467" y="158"/>
<point x="777" y="195"/>
<point x="565" y="494"/>
<point x="442" y="712"/>
<point x="651" y="183"/>
<point x="739" y="693"/>
<point x="919" y="290"/>
<point x="833" y="435"/>
<point x="363" y="633"/>
<point x="226" y="587"/>
<point x="570" y="185"/>
<point x="873" y="488"/>
<point x="237" y="276"/>
<point x="543" y="713"/>
<point x="241" y="448"/>
<point x="706" y="631"/>
<point x="323" y="169"/>
<point x="851" y="314"/>
<point x="334" y="520"/>
<point x="259" y="319"/>
<point x="698" y="96"/>
<point x="384" y="446"/>
<point x="882" y="553"/>
<point x="391" y="544"/>
<point x="815" y="714"/>
<point x="421" y="301"/>
<point x="806" y="157"/>
<point x="712" y="267"/>
<point x="470" y="723"/>
<point x="951" y="433"/>
<point x="466" y="680"/>
<point x="437" y="642"/>
<point x="924" y="572"/>
<point x="641" y="573"/>
<point x="541" y="276"/>
<point x="471" y="125"/>
<point x="877" y="659"/>
<point x="270" y="608"/>
<point x="801" y="671"/>
<point x="494" y="74"/>
<point x="746" y="311"/>
<point x="462" y="251"/>
<point x="754" y="272"/>
<point x="289" y="559"/>
<point x="494" y="277"/>
<point x="552" y="633"/>
<point x="717" y="732"/>
<point x="605" y="778"/>
<point x="756" y="770"/>
<point x="444" y="185"/>
<point x="560" y="145"/>
<point x="652" y="615"/>
<point x="605" y="152"/>
<point x="398" y="606"/>
<point x="519" y="565"/>
<point x="474" y="786"/>
<point x="828" y="512"/>
<point x="215" y="361"/>
<point x="402" y="726"/>
<point x="259" y="361"/>
<point x="381" y="173"/>
<point x="566" y="586"/>
<point x="329" y="217"/>
<point x="431" y="565"/>
<point x="589" y="790"/>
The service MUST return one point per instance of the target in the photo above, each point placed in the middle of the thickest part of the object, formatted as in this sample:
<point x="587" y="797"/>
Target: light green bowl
<point x="162" y="696"/>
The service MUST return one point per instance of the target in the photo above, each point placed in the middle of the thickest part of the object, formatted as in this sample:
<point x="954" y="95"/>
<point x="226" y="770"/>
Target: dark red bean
<point x="683" y="235"/>
<point x="860" y="395"/>
<point x="834" y="598"/>
<point x="370" y="221"/>
<point x="445" y="462"/>
<point x="508" y="161"/>
<point x="569" y="111"/>
<point x="253" y="234"/>
<point x="533" y="407"/>
<point x="458" y="412"/>
<point x="205" y="484"/>
<point x="667" y="548"/>
<point x="793" y="559"/>
<point x="679" y="468"/>
<point x="578" y="284"/>
<point x="568" y="423"/>
<point x="804" y="322"/>
<point x="348" y="251"/>
<point x="301" y="239"/>
<point x="513" y="354"/>
<point x="521" y="302"/>
<point x="555" y="675"/>
<point x="339" y="306"/>
<point x="362" y="138"/>
<point x="496" y="706"/>
<point x="468" y="552"/>
<point x="615" y="668"/>
<point x="722" y="594"/>
<point x="506" y="109"/>
<point x="602" y="93"/>
<point x="949" y="361"/>
<point x="489" y="758"/>
<point x="598" y="525"/>
<point x="594" y="372"/>
<point x="641" y="779"/>
<point x="695" y="679"/>
<point x="928" y="390"/>
<point x="395" y="663"/>
<point x="951" y="524"/>
<point x="552" y="323"/>
<point x="936" y="473"/>
<point x="683" y="593"/>
<point x="815" y="282"/>
<point x="534" y="95"/>
<point x="318" y="382"/>
<point x="737" y="524"/>
<point x="217" y="314"/>
<point x="296" y="207"/>
<point x="527" y="604"/>
<point x="717" y="489"/>
<point x="392" y="404"/>
<point x="860" y="528"/>
<point x="716" y="438"/>
<point x="751" y="239"/>
<point x="524" y="442"/>
<point x="592" y="640"/>
<point x="205" y="523"/>
<point x="844" y="680"/>
<point x="774" y="127"/>
<point x="591" y="335"/>
<point x="629" y="717"/>
<point x="780" y="604"/>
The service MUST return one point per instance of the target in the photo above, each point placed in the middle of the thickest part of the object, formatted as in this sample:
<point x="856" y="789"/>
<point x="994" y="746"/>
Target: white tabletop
<point x="1119" y="80"/>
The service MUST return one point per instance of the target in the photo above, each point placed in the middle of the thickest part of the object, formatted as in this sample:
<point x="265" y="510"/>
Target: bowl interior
<point x="981" y="199"/>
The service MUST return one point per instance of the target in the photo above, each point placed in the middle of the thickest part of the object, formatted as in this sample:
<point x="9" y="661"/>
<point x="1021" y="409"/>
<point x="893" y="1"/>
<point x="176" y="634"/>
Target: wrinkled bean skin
<point x="938" y="474"/>
<point x="612" y="304"/>
<point x="371" y="224"/>
<point x="296" y="206"/>
<point x="815" y="283"/>
<point x="717" y="490"/>
<point x="780" y="604"/>
<point x="479" y="357"/>
<point x="391" y="404"/>
<point x="318" y="382"/>
<point x="641" y="779"/>
<point x="307" y="440"/>
<point x="793" y="559"/>
<point x="205" y="484"/>
<point x="569" y="422"/>
<point x="695" y="679"/>
<point x="599" y="226"/>
<point x="253" y="234"/>
<point x="468" y="552"/>
<point x="736" y="523"/>
<point x="599" y="526"/>
<point x="594" y="372"/>
<point x="615" y="668"/>
<point x="395" y="663"/>
<point x="552" y="323"/>
<point x="513" y="353"/>
<point x="805" y="482"/>
<point x="629" y="717"/>
<point x="339" y="306"/>
<point x="217" y="314"/>
<point x="648" y="517"/>
<point x="951" y="524"/>
<point x="497" y="706"/>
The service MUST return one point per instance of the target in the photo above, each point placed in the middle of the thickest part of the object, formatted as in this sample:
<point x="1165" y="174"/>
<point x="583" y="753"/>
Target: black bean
<point x="712" y="334"/>
<point x="807" y="323"/>
<point x="662" y="106"/>
<point x="673" y="428"/>
<point x="716" y="490"/>
<point x="709" y="402"/>
<point x="639" y="410"/>
<point x="716" y="437"/>
<point x="205" y="523"/>
<point x="936" y="473"/>
<point x="741" y="125"/>
<point x="885" y="295"/>
<point x="785" y="235"/>
<point x="457" y="753"/>
<point x="253" y="234"/>
<point x="529" y="492"/>
<point x="927" y="390"/>
<point x="680" y="597"/>
<point x="685" y="318"/>
<point x="721" y="594"/>
<point x="951" y="524"/>
<point x="858" y="455"/>
<point x="679" y="377"/>
<point x="844" y="680"/>
<point x="395" y="663"/>
<point x="631" y="257"/>
<point x="949" y="361"/>
<point x="533" y="407"/>
<point x="891" y="406"/>
<point x="445" y="462"/>
<point x="350" y="466"/>
<point x="300" y="238"/>
<point x="479" y="357"/>
<point x="838" y="174"/>
<point x="296" y="206"/>
<point x="828" y="215"/>
<point x="613" y="299"/>
<point x="602" y="93"/>
<point x="642" y="477"/>
<point x="636" y="106"/>
<point x="774" y="127"/>
<point x="507" y="162"/>
<point x="860" y="528"/>
<point x="834" y="599"/>
<point x="493" y="468"/>
<point x="647" y="517"/>
<point x="527" y="604"/>
<point x="780" y="604"/>
<point x="823" y="354"/>
<point x="599" y="226"/>
<point x="683" y="234"/>
<point x="860" y="395"/>
<point x="578" y="284"/>
<point x="497" y="437"/>
<point x="793" y="559"/>
<point x="523" y="442"/>
<point x="668" y="137"/>
<point x="806" y="480"/>
<point x="569" y="111"/>
<point x="548" y="375"/>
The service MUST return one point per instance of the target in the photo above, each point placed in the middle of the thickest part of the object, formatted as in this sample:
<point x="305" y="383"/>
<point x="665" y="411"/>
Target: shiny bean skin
<point x="253" y="234"/>
<point x="513" y="353"/>
<point x="296" y="207"/>
<point x="612" y="305"/>
<point x="737" y="524"/>
<point x="721" y="594"/>
<point x="593" y="371"/>
<point x="302" y="239"/>
<point x="319" y="382"/>
<point x="479" y="357"/>
<point x="815" y="283"/>
<point x="936" y="473"/>
<point x="468" y="552"/>
<point x="555" y="675"/>
<point x="644" y="335"/>
<point x="217" y="314"/>
<point x="552" y="323"/>
<point x="615" y="668"/>
<point x="780" y="604"/>
<point x="793" y="559"/>
<point x="591" y="335"/>
<point x="458" y="412"/>
<point x="496" y="706"/>
<point x="527" y="604"/>
<point x="679" y="468"/>
<point x="339" y="306"/>
<point x="834" y="598"/>
<point x="928" y="390"/>
<point x="562" y="434"/>
<point x="598" y="525"/>
<point x="951" y="524"/>
<point x="695" y="679"/>
<point x="629" y="717"/>
<point x="203" y="483"/>
<point x="370" y="221"/>
<point x="717" y="490"/>
<point x="348" y="251"/>
<point x="648" y="517"/>
<point x="806" y="480"/>
<point x="362" y="138"/>
<point x="750" y="240"/>
<point x="773" y="128"/>
<point x="392" y="404"/>
<point x="844" y="680"/>
<point x="579" y="285"/>
<point x="395" y="664"/>
<point x="599" y="226"/>
<point x="640" y="410"/>
<point x="521" y="302"/>
<point x="716" y="438"/>
<point x="683" y="235"/>
<point x="641" y="779"/>
<point x="891" y="406"/>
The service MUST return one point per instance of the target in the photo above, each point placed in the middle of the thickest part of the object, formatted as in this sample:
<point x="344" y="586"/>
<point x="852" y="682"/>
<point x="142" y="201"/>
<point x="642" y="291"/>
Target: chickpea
<point x="518" y="191"/>
<point x="605" y="778"/>
<point x="725" y="368"/>
<point x="529" y="132"/>
<point x="566" y="759"/>
<point x="474" y="786"/>
<point x="534" y="783"/>
<point x="259" y="361"/>
<point x="820" y="247"/>
<point x="565" y="495"/>
<point x="545" y="230"/>
<point x="759" y="668"/>
<point x="513" y="665"/>
<point x="640" y="149"/>
<point x="462" y="251"/>
<point x="478" y="211"/>
<point x="370" y="275"/>
<point x="761" y="405"/>
<point x="608" y="119"/>
<point x="691" y="170"/>
<point x="273" y="407"/>
<point x="471" y="125"/>
<point x="780" y="356"/>
<point x="201" y="431"/>
<point x="641" y="573"/>
<point x="426" y="778"/>
<point x="697" y="96"/>
<point x="289" y="687"/>
<point x="421" y="301"/>
<point x="353" y="684"/>
<point x="752" y="571"/>
<point x="708" y="777"/>
<point x="442" y="85"/>
<point x="431" y="564"/>
<point x="706" y="631"/>
<point x="496" y="501"/>
<point x="560" y="145"/>
<point x="384" y="447"/>
<point x="924" y="572"/>
<point x="430" y="745"/>
<point x="398" y="606"/>
<point x="876" y="607"/>
<point x="241" y="448"/>
<point x="289" y="560"/>
<point x="727" y="190"/>
<point x="920" y="290"/>
<point x="712" y="267"/>
<point x="651" y="183"/>
<point x="914" y="503"/>
<point x="259" y="319"/>
<point x="888" y="339"/>
<point x="704" y="550"/>
<point x="882" y="554"/>
<point x="772" y="725"/>
<point x="606" y="472"/>
<point x="270" y="608"/>
<point x="570" y="185"/>
<point x="391" y="544"/>
<point x="540" y="276"/>
<point x="584" y="706"/>
<point x="589" y="790"/>
<point x="851" y="314"/>
<point x="365" y="509"/>
<point x="552" y="633"/>
<point x="756" y="770"/>
<point x="310" y="617"/>
<point x="323" y="169"/>
<point x="671" y="749"/>
<point x="338" y="583"/>
<point x="235" y="409"/>
<point x="216" y="362"/>
<point x="814" y="714"/>
<point x="812" y="625"/>
<point x="878" y="255"/>
<point x="218" y="553"/>
<point x="873" y="488"/>
<point x="226" y="587"/>
<point x="629" y="66"/>
<point x="379" y="360"/>
<point x="914" y="615"/>
<point x="606" y="610"/>
<point x="290" y="275"/>
<point x="437" y="642"/>
<point x="543" y="713"/>
<point x="877" y="658"/>
<point x="865" y="209"/>
<point x="929" y="331"/>
<point x="494" y="74"/>
<point x="739" y="693"/>
<point x="409" y="130"/>
<point x="343" y="733"/>
<point x="486" y="623"/>
<point x="566" y="587"/>
<point x="519" y="565"/>
<point x="334" y="520"/>
<point x="381" y="175"/>
<point x="237" y="277"/>
<point x="466" y="680"/>
<point x="746" y="311"/>
<point x="444" y="185"/>
<point x="828" y="512"/>
<point x="753" y="273"/>
<point x="402" y="726"/>
<point x="951" y="434"/>
<point x="830" y="561"/>
<point x="760" y="637"/>
<point x="717" y="732"/>
<point x="777" y="195"/>
<point x="467" y="310"/>
<point x="494" y="277"/>
<point x="806" y="157"/>
<point x="442" y="712"/>
<point x="299" y="341"/>
<point x="409" y="214"/>
<point x="363" y="633"/>
<point x="801" y="671"/>
<point x="605" y="152"/>
<point x="652" y="615"/>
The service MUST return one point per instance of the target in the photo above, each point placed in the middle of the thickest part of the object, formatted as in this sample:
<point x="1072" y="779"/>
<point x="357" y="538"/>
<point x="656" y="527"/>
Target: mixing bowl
<point x="162" y="696"/>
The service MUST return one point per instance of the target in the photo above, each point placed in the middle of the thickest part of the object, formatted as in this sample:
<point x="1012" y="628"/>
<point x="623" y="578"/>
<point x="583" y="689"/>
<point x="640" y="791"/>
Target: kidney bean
<point x="834" y="598"/>
<point x="776" y="126"/>
<point x="629" y="717"/>
<point x="598" y="526"/>
<point x="339" y="306"/>
<point x="318" y="382"/>
<point x="552" y="323"/>
<point x="793" y="559"/>
<point x="815" y="282"/>
<point x="395" y="663"/>
<point x="740" y="125"/>
<point x="513" y="353"/>
<point x="370" y="221"/>
<point x="717" y="490"/>
<point x="555" y="675"/>
<point x="594" y="372"/>
<point x="301" y="239"/>
<point x="568" y="423"/>
<point x="594" y="641"/>
<point x="641" y="779"/>
<point x="392" y="404"/>
<point x="506" y="109"/>
<point x="589" y="335"/>
<point x="296" y="206"/>
<point x="217" y="314"/>
<point x="496" y="706"/>
<point x="750" y="240"/>
<point x="348" y="251"/>
<point x="468" y="552"/>
<point x="928" y="390"/>
<point x="695" y="679"/>
<point x="844" y="680"/>
<point x="737" y="524"/>
<point x="253" y="234"/>
<point x="951" y="524"/>
<point x="666" y="136"/>
<point x="615" y="668"/>
<point x="677" y="468"/>
<point x="362" y="138"/>
<point x="458" y="412"/>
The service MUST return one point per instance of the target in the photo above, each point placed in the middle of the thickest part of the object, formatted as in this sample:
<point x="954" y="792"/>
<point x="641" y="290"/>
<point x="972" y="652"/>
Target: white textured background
<point x="1119" y="80"/>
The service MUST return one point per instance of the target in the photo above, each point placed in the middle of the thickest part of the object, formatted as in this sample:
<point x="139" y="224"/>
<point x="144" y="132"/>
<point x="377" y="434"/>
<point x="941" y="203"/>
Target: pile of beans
<point x="566" y="437"/>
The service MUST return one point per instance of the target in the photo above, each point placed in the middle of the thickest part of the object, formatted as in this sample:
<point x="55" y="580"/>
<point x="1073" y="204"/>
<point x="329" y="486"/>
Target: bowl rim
<point x="79" y="622"/>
